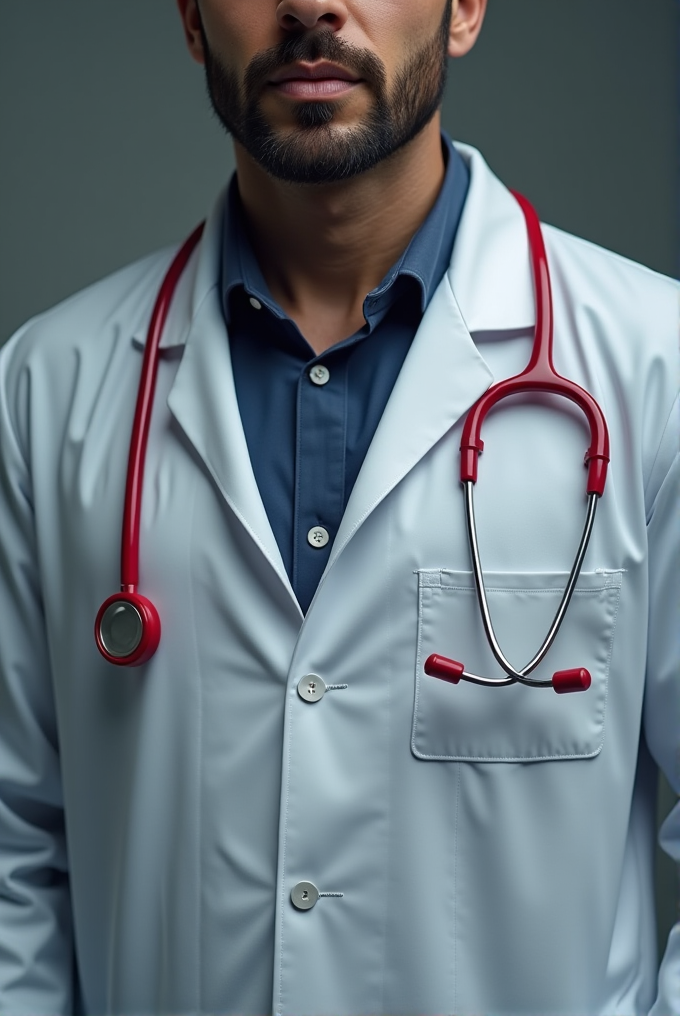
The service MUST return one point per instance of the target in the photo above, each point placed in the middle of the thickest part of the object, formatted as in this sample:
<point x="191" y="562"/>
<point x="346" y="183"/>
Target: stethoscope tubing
<point x="127" y="627"/>
<point x="132" y="513"/>
<point x="538" y="376"/>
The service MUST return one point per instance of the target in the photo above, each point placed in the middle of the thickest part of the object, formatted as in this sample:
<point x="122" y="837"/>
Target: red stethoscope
<point x="128" y="628"/>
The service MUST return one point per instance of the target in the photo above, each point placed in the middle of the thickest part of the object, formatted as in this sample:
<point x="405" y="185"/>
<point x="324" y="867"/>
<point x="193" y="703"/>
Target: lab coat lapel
<point x="442" y="376"/>
<point x="488" y="288"/>
<point x="203" y="397"/>
<point x="203" y="401"/>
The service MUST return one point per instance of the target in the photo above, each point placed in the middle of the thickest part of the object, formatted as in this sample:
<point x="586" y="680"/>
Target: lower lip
<point x="304" y="88"/>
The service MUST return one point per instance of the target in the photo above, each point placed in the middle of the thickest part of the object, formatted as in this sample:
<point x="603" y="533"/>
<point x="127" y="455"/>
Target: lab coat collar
<point x="199" y="277"/>
<point x="489" y="270"/>
<point x="490" y="267"/>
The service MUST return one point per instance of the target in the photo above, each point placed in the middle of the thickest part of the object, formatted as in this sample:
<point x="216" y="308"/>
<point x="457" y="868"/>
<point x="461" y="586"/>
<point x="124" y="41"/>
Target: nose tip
<point x="297" y="15"/>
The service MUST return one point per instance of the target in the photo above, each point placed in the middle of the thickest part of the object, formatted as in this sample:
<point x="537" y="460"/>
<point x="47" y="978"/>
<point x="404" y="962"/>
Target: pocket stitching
<point x="613" y="581"/>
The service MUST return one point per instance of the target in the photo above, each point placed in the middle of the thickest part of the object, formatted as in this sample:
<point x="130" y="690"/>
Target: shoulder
<point x="599" y="278"/>
<point x="70" y="346"/>
<point x="627" y="314"/>
<point x="626" y="317"/>
<point x="120" y="300"/>
<point x="491" y="256"/>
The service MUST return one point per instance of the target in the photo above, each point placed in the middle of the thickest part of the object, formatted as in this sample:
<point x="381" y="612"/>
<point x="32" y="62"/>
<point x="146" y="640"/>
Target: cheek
<point x="393" y="29"/>
<point x="383" y="25"/>
<point x="239" y="29"/>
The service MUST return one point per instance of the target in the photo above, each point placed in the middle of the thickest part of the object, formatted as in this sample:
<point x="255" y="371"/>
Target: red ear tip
<point x="565" y="681"/>
<point x="443" y="668"/>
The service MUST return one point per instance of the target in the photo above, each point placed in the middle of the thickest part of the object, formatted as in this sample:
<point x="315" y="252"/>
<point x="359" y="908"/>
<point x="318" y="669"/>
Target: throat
<point x="322" y="329"/>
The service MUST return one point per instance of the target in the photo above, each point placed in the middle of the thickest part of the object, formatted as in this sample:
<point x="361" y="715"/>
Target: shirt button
<point x="317" y="536"/>
<point x="255" y="303"/>
<point x="319" y="375"/>
<point x="311" y="688"/>
<point x="304" y="895"/>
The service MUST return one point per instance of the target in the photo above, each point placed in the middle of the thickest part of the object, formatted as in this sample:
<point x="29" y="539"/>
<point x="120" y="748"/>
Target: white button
<point x="317" y="536"/>
<point x="319" y="375"/>
<point x="304" y="895"/>
<point x="255" y="303"/>
<point x="311" y="688"/>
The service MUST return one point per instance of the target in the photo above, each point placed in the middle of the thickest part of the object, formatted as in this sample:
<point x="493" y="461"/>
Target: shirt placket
<point x="321" y="440"/>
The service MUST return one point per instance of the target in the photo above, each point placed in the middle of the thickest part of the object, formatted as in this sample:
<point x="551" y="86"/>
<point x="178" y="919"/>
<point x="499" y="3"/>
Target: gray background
<point x="108" y="148"/>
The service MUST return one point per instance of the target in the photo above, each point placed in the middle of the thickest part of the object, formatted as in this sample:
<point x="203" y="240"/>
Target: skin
<point x="323" y="247"/>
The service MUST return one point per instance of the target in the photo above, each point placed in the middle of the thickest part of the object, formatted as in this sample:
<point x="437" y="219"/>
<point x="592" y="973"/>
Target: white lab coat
<point x="493" y="848"/>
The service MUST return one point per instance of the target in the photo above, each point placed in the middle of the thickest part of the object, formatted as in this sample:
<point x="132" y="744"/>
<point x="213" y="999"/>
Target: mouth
<point x="314" y="81"/>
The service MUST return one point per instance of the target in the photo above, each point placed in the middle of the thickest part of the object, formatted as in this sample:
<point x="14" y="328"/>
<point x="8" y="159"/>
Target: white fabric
<point x="493" y="848"/>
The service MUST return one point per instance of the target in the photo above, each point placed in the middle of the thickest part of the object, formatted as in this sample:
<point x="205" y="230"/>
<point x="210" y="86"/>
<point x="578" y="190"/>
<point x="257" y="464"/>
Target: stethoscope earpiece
<point x="127" y="629"/>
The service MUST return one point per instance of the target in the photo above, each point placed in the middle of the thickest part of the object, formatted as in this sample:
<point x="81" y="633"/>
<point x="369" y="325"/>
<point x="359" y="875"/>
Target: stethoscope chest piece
<point x="127" y="629"/>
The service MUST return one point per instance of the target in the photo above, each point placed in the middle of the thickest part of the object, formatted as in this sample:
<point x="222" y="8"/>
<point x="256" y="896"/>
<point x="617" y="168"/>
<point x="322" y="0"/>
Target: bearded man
<point x="267" y="783"/>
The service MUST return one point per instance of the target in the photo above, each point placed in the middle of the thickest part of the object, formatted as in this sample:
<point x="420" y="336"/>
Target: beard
<point x="316" y="151"/>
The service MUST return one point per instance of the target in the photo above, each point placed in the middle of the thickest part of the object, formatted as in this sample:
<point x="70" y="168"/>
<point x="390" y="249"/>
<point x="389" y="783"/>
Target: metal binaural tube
<point x="514" y="674"/>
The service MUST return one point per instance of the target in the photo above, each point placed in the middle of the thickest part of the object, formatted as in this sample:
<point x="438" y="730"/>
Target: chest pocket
<point x="467" y="722"/>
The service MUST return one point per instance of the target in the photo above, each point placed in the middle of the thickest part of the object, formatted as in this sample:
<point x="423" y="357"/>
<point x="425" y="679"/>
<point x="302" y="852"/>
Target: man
<point x="280" y="811"/>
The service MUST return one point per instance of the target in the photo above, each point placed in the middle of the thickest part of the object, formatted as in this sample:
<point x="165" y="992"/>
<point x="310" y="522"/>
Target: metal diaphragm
<point x="121" y="628"/>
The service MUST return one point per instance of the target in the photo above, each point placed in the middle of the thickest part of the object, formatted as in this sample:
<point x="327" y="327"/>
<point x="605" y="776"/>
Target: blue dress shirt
<point x="308" y="419"/>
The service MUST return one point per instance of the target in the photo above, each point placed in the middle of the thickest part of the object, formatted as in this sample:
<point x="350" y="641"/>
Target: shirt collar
<point x="425" y="259"/>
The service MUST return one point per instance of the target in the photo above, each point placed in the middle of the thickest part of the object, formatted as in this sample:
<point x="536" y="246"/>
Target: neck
<point x="322" y="248"/>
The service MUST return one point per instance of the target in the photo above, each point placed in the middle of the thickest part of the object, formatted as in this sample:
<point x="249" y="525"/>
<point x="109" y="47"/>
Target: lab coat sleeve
<point x="36" y="954"/>
<point x="662" y="700"/>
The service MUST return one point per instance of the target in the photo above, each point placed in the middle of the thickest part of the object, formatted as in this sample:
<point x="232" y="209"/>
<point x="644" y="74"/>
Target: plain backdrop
<point x="108" y="148"/>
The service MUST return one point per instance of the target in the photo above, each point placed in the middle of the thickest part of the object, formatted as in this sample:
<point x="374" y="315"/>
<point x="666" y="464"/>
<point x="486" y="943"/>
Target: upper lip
<point x="313" y="72"/>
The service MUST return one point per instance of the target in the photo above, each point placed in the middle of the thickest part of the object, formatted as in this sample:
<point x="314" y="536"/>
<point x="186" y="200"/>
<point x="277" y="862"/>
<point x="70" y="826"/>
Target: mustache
<point x="309" y="48"/>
